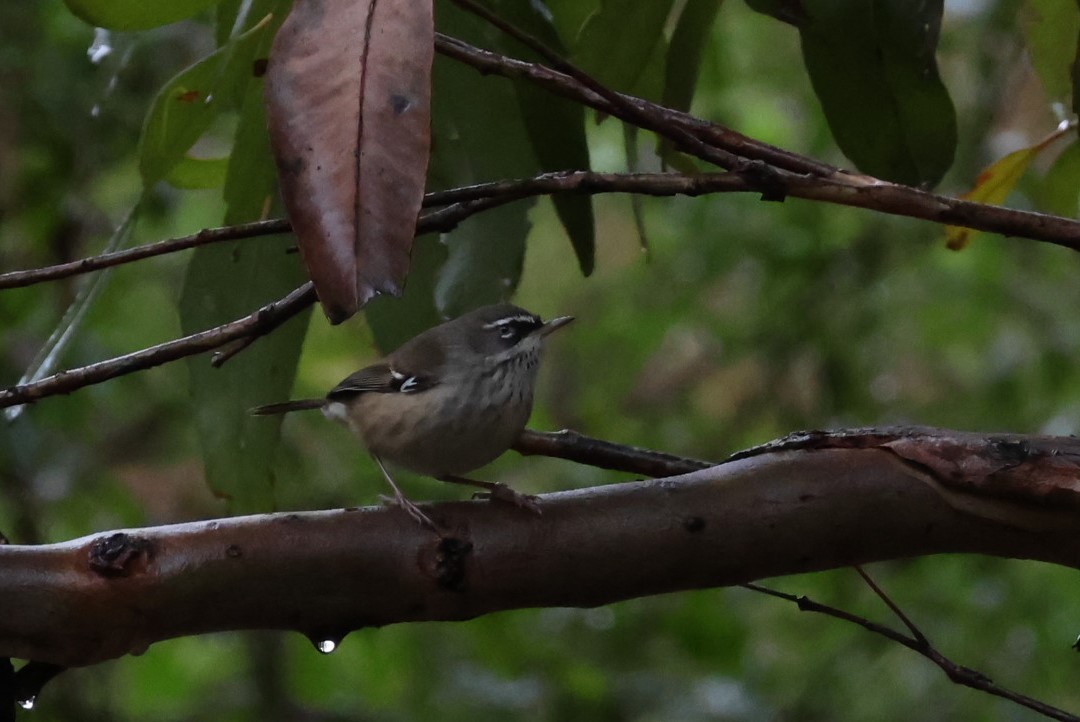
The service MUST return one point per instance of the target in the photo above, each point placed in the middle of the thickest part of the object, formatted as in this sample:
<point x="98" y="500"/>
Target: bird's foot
<point x="497" y="491"/>
<point x="503" y="493"/>
<point x="400" y="500"/>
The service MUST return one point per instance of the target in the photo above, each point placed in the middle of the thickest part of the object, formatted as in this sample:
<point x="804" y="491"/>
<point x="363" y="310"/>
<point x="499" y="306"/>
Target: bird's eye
<point x="507" y="331"/>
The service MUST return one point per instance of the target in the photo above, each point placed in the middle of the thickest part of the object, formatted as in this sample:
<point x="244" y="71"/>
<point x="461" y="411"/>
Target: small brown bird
<point x="448" y="401"/>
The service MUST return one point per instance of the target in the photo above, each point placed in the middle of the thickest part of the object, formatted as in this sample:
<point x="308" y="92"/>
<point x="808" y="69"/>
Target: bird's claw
<point x="503" y="493"/>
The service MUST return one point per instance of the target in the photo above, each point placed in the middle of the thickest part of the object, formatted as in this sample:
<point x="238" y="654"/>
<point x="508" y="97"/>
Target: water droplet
<point x="101" y="48"/>
<point x="27" y="703"/>
<point x="95" y="111"/>
<point x="326" y="643"/>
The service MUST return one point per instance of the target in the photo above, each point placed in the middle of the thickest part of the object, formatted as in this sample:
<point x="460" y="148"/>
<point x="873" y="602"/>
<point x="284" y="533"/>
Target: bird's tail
<point x="286" y="406"/>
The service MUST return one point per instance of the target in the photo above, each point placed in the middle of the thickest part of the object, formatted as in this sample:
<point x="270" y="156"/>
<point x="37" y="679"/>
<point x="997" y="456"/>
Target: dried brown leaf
<point x="348" y="92"/>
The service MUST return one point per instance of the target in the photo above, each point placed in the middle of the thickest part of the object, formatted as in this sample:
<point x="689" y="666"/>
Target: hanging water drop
<point x="326" y="643"/>
<point x="28" y="703"/>
<point x="101" y="48"/>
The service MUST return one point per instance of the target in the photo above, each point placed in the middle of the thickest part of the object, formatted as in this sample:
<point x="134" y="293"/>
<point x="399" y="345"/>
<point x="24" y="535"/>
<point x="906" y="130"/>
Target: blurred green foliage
<point x="747" y="320"/>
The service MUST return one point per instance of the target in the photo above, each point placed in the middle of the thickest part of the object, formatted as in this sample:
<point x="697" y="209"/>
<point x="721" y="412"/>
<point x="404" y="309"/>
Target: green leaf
<point x="688" y="42"/>
<point x="1050" y="30"/>
<point x="189" y="103"/>
<point x="225" y="282"/>
<point x="872" y="66"/>
<point x="617" y="42"/>
<point x="136" y="14"/>
<point x="478" y="137"/>
<point x="789" y="11"/>
<point x="393" y="321"/>
<point x="555" y="126"/>
<point x="198" y="173"/>
<point x="569" y="16"/>
<point x="1059" y="191"/>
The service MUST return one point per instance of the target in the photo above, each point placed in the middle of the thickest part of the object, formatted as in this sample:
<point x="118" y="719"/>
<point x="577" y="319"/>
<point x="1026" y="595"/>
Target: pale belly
<point x="455" y="436"/>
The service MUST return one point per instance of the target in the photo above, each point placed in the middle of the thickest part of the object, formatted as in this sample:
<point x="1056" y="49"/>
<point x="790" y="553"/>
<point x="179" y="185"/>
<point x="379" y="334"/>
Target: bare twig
<point x="964" y="676"/>
<point x="65" y="382"/>
<point x="788" y="173"/>
<point x="571" y="445"/>
<point x="17" y="279"/>
<point x="638" y="114"/>
<point x="916" y="633"/>
<point x="464" y="202"/>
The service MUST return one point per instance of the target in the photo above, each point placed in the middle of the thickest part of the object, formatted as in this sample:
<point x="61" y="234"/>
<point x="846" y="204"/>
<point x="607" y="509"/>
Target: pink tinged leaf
<point x="348" y="93"/>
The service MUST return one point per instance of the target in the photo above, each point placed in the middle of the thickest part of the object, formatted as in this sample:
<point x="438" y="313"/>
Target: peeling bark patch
<point x="693" y="524"/>
<point x="450" y="560"/>
<point x="120" y="555"/>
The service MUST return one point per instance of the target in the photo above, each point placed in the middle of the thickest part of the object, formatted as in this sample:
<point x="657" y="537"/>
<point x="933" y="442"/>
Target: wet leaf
<point x="872" y="65"/>
<point x="348" y="98"/>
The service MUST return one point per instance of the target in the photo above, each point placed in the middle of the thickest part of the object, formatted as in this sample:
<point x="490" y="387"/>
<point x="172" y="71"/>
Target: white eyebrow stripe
<point x="398" y="376"/>
<point x="511" y="319"/>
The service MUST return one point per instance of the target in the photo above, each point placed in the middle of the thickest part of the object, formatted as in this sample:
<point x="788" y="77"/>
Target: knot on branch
<point x="120" y="555"/>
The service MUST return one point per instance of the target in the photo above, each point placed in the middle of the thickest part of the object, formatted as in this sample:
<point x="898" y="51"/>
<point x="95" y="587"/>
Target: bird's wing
<point x="380" y="378"/>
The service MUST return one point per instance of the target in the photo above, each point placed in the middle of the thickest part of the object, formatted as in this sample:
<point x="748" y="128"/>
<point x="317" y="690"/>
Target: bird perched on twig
<point x="448" y="401"/>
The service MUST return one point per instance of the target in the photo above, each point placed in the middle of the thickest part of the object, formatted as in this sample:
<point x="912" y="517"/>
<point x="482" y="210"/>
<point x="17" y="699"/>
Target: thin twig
<point x="916" y="633"/>
<point x="957" y="673"/>
<point x="638" y="114"/>
<point x="68" y="381"/>
<point x="17" y="279"/>
<point x="469" y="200"/>
<point x="571" y="445"/>
<point x="839" y="187"/>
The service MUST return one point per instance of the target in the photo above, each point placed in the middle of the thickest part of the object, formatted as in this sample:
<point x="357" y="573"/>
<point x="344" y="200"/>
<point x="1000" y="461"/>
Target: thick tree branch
<point x="325" y="573"/>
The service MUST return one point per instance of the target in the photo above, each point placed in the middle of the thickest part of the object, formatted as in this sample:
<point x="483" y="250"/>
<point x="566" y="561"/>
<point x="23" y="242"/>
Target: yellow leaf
<point x="995" y="183"/>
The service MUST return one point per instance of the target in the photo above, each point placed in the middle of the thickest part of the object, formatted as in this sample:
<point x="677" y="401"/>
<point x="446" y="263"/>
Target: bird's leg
<point x="403" y="501"/>
<point x="498" y="492"/>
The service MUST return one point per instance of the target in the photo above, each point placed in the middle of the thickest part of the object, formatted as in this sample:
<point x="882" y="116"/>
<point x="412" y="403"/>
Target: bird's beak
<point x="553" y="325"/>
